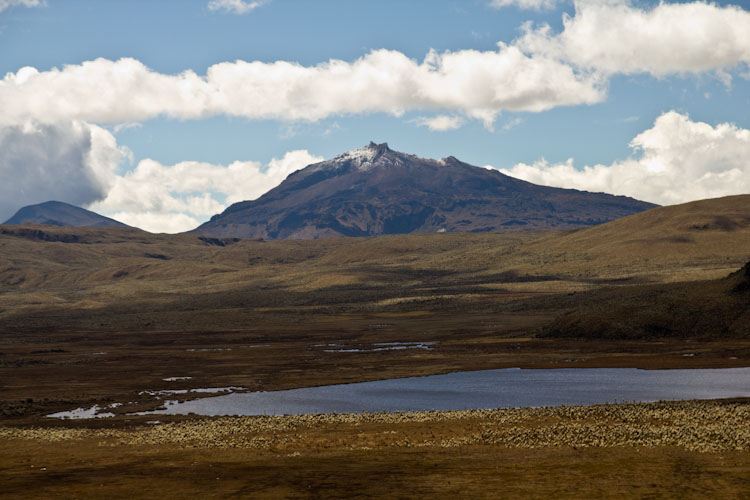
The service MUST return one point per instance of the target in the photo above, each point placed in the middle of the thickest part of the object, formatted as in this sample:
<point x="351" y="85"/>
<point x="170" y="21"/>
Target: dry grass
<point x="659" y="450"/>
<point x="702" y="426"/>
<point x="102" y="267"/>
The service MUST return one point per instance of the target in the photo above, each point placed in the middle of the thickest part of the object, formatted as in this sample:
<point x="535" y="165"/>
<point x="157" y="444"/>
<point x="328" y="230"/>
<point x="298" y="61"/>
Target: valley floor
<point x="52" y="371"/>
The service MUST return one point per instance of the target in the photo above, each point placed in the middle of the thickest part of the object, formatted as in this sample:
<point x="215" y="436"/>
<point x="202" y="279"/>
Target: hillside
<point x="181" y="278"/>
<point x="57" y="213"/>
<point x="717" y="309"/>
<point x="94" y="315"/>
<point x="373" y="191"/>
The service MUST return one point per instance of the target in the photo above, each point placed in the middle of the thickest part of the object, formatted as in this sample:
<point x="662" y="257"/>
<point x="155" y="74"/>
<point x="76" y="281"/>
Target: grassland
<point x="97" y="316"/>
<point x="662" y="450"/>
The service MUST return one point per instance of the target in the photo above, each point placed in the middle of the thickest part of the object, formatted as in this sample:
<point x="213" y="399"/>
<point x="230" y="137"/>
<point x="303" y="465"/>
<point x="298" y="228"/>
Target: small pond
<point x="481" y="390"/>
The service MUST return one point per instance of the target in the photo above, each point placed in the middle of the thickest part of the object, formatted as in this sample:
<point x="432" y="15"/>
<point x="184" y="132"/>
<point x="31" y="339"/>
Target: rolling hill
<point x="53" y="272"/>
<point x="57" y="213"/>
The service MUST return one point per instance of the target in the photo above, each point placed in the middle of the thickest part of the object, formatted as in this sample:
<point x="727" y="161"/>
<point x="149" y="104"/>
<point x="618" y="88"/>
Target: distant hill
<point x="57" y="213"/>
<point x="57" y="276"/>
<point x="703" y="232"/>
<point x="375" y="191"/>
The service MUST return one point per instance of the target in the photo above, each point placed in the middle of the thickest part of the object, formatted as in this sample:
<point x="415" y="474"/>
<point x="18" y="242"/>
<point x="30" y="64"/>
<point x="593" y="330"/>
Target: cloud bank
<point x="175" y="198"/>
<point x="73" y="162"/>
<point x="676" y="161"/>
<point x="613" y="36"/>
<point x="476" y="84"/>
<point x="77" y="162"/>
<point x="539" y="71"/>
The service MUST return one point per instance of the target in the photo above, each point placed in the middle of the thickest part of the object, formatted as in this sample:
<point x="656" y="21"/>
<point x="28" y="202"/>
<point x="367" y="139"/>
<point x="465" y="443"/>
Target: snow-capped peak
<point x="362" y="158"/>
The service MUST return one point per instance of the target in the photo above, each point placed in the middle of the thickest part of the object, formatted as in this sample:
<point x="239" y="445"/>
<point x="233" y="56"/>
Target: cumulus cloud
<point x="474" y="83"/>
<point x="77" y="162"/>
<point x="614" y="36"/>
<point x="5" y="4"/>
<point x="526" y="4"/>
<point x="175" y="198"/>
<point x="73" y="162"/>
<point x="539" y="71"/>
<point x="440" y="123"/>
<point x="235" y="6"/>
<point x="676" y="161"/>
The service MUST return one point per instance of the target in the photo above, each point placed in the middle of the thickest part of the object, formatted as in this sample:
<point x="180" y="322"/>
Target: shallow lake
<point x="482" y="390"/>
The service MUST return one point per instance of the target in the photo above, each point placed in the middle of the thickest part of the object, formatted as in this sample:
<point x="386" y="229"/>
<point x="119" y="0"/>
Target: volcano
<point x="374" y="191"/>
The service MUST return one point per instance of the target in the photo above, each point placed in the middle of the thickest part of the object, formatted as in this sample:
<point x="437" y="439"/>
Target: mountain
<point x="57" y="213"/>
<point x="375" y="191"/>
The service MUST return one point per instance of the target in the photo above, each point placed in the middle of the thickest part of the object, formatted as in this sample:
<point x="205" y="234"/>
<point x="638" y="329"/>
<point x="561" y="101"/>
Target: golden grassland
<point x="89" y="268"/>
<point x="665" y="450"/>
<point x="96" y="316"/>
<point x="703" y="426"/>
<point x="93" y="315"/>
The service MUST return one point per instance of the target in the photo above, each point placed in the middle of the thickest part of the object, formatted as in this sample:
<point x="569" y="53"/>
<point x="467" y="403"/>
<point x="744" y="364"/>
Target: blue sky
<point x="597" y="102"/>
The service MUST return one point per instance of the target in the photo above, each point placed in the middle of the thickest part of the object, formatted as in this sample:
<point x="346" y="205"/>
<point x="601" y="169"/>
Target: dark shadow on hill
<point x="708" y="310"/>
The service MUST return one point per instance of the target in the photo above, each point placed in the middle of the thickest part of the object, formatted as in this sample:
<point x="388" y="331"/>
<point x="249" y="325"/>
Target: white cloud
<point x="5" y="4"/>
<point x="76" y="162"/>
<point x="157" y="222"/>
<point x="125" y="126"/>
<point x="235" y="6"/>
<point x="175" y="198"/>
<point x="476" y="84"/>
<point x="440" y="123"/>
<point x="613" y="36"/>
<point x="677" y="160"/>
<point x="72" y="162"/>
<point x="539" y="71"/>
<point x="511" y="124"/>
<point x="526" y="4"/>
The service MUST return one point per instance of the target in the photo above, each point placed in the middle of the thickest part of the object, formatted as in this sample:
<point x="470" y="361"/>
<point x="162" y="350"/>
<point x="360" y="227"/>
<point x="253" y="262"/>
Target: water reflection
<point x="482" y="389"/>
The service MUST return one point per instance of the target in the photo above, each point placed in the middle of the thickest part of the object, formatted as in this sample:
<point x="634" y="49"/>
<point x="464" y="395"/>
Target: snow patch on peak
<point x="360" y="158"/>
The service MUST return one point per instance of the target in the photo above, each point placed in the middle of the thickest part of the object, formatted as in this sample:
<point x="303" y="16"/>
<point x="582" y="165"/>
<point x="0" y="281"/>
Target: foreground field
<point x="659" y="450"/>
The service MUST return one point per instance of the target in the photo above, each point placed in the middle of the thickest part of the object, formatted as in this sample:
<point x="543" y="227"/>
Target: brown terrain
<point x="98" y="315"/>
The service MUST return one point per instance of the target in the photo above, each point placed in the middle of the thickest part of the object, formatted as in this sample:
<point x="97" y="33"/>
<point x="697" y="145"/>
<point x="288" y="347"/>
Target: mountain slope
<point x="374" y="191"/>
<point x="57" y="213"/>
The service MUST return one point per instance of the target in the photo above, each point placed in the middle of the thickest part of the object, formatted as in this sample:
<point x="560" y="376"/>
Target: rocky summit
<point x="374" y="191"/>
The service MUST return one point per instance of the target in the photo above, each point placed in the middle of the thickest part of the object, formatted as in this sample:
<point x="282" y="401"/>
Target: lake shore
<point x="56" y="371"/>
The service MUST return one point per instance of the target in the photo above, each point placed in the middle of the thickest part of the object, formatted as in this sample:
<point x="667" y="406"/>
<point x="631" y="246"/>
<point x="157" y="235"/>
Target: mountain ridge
<point x="375" y="190"/>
